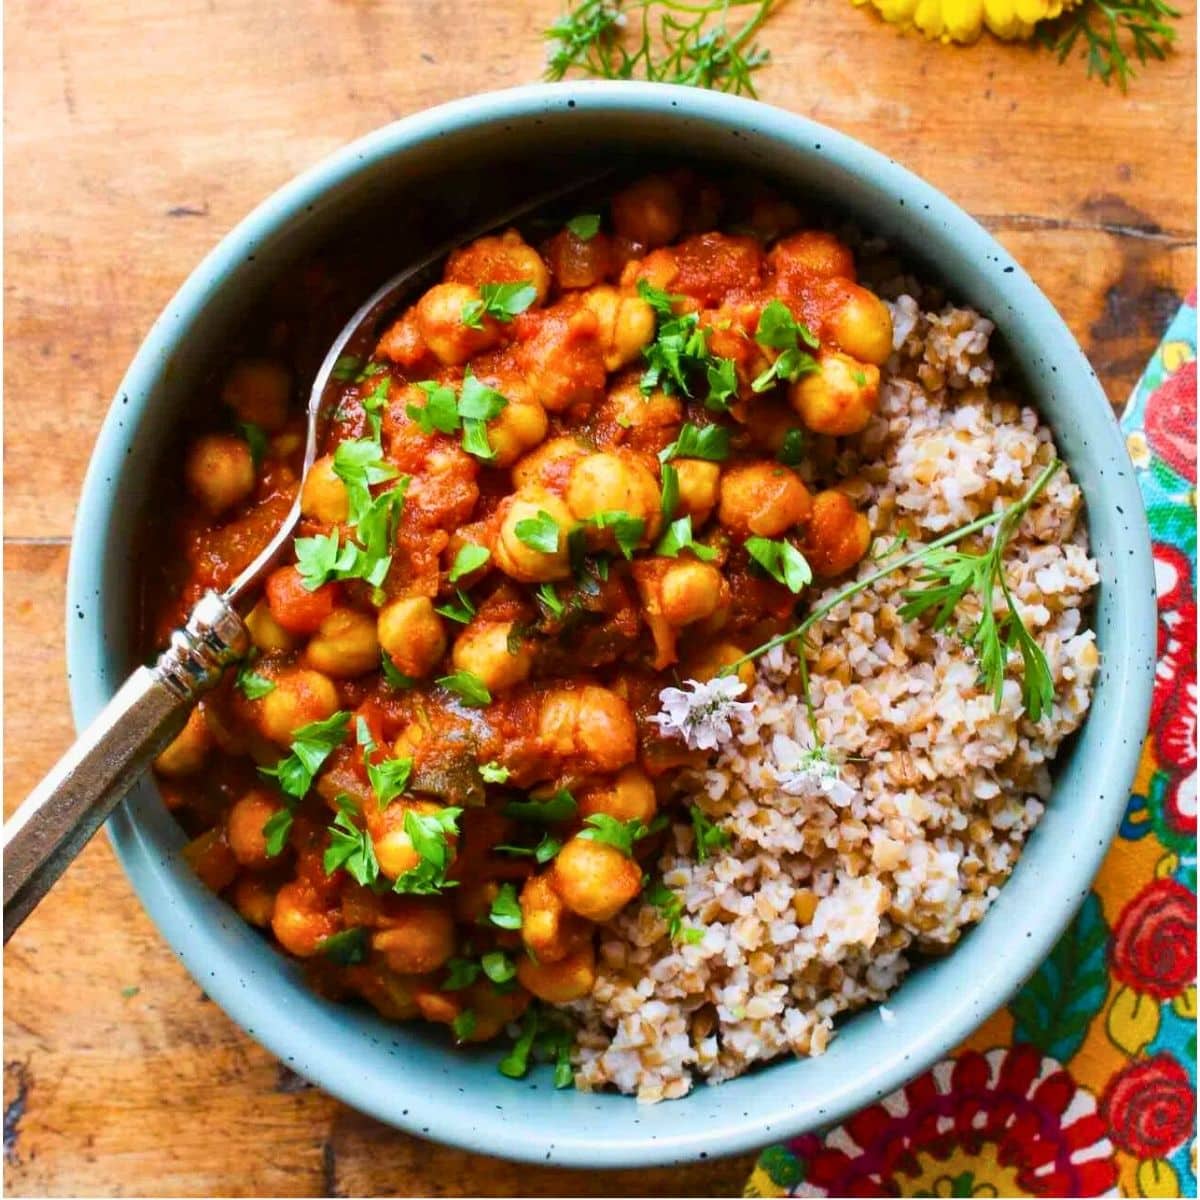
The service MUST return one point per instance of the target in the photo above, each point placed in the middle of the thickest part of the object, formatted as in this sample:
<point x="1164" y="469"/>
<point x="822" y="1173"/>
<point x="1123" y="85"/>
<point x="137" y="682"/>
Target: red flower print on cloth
<point x="1150" y="1107"/>
<point x="1154" y="942"/>
<point x="1171" y="423"/>
<point x="1009" y="1122"/>
<point x="1175" y="674"/>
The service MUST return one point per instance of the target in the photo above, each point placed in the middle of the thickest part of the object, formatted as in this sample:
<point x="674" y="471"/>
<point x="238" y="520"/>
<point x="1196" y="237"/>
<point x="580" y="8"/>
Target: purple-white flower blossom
<point x="703" y="716"/>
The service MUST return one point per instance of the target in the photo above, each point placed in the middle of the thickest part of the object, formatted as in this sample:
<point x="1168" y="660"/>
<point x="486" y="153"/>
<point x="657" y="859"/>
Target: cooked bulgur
<point x="836" y="875"/>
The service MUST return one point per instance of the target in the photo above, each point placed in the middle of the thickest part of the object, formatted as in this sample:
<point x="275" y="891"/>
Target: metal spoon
<point x="59" y="816"/>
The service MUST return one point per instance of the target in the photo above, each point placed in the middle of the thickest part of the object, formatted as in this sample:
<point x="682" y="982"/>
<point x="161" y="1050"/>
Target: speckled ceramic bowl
<point x="442" y="166"/>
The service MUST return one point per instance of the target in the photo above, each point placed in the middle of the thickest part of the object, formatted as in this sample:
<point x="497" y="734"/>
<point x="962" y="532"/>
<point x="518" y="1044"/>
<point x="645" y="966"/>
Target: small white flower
<point x="813" y="771"/>
<point x="703" y="717"/>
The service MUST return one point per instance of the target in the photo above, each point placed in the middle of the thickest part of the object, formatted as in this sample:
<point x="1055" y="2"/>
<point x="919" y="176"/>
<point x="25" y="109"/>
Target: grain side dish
<point x="675" y="644"/>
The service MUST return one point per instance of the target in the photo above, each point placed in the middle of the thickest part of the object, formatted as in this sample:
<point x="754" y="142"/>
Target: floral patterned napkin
<point x="1086" y="1084"/>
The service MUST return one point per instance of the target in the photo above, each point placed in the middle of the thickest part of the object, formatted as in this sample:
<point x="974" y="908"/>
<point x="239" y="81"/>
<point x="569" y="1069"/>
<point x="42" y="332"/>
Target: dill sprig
<point x="700" y="44"/>
<point x="949" y="577"/>
<point x="1107" y="32"/>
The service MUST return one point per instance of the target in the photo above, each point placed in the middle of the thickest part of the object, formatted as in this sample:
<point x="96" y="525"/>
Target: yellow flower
<point x="964" y="20"/>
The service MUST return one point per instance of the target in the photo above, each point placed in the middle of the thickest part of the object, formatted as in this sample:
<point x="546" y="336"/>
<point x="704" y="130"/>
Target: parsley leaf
<point x="498" y="967"/>
<point x="710" y="442"/>
<point x="722" y="384"/>
<point x="543" y="852"/>
<point x="351" y="848"/>
<point x="359" y="465"/>
<point x="464" y="1024"/>
<point x="506" y="910"/>
<point x="477" y="405"/>
<point x="323" y="557"/>
<point x="428" y="833"/>
<point x="670" y="492"/>
<point x="627" y="529"/>
<point x="515" y="1064"/>
<point x="346" y="368"/>
<point x="709" y="837"/>
<point x="439" y="413"/>
<point x="462" y="612"/>
<point x="559" y="807"/>
<point x="468" y="559"/>
<point x="389" y="778"/>
<point x="548" y="596"/>
<point x="678" y="536"/>
<point x="395" y="679"/>
<point x="468" y="687"/>
<point x="680" y="348"/>
<point x="312" y="744"/>
<point x="252" y="685"/>
<point x="782" y="561"/>
<point x="622" y="834"/>
<point x="256" y="439"/>
<point x="373" y="404"/>
<point x="585" y="226"/>
<point x="276" y="830"/>
<point x="662" y="302"/>
<point x="540" y="533"/>
<point x="779" y="330"/>
<point x="347" y="948"/>
<point x="493" y="772"/>
<point x="669" y="905"/>
<point x="502" y="301"/>
<point x="461" y="973"/>
<point x="791" y="453"/>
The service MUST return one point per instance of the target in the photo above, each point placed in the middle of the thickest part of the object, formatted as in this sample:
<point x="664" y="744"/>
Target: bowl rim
<point x="159" y="883"/>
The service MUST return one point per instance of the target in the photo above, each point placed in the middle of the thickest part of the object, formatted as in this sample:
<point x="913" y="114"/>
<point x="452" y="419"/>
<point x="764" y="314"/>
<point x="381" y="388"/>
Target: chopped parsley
<point x="543" y="852"/>
<point x="601" y="827"/>
<point x="346" y="369"/>
<point x="373" y="404"/>
<point x="439" y="413"/>
<point x="779" y="330"/>
<point x="502" y="301"/>
<point x="460" y="973"/>
<point x="324" y="556"/>
<point x="678" y="536"/>
<point x="477" y="405"/>
<point x="791" y="453"/>
<point x="468" y="559"/>
<point x="428" y="833"/>
<point x="670" y="492"/>
<point x="276" y="830"/>
<point x="360" y="465"/>
<point x="468" y="687"/>
<point x="708" y="836"/>
<point x="515" y="1064"/>
<point x="350" y="847"/>
<point x="540" y="533"/>
<point x="782" y="561"/>
<point x="252" y="685"/>
<point x="312" y="744"/>
<point x="710" y="442"/>
<point x="559" y="807"/>
<point x="585" y="226"/>
<point x="549" y="597"/>
<point x="464" y="1024"/>
<point x="626" y="529"/>
<point x="389" y="778"/>
<point x="493" y="772"/>
<point x="394" y="678"/>
<point x="347" y="948"/>
<point x="506" y="910"/>
<point x="498" y="967"/>
<point x="722" y="384"/>
<point x="461" y="611"/>
<point x="256" y="439"/>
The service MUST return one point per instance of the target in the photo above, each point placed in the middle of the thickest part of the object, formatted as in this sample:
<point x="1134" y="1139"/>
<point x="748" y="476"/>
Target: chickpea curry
<point x="570" y="474"/>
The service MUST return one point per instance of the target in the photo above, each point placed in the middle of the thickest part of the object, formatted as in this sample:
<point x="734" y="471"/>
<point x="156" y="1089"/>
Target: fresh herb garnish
<point x="678" y="536"/>
<point x="547" y="594"/>
<point x="360" y="465"/>
<point x="461" y="611"/>
<point x="439" y="413"/>
<point x="493" y="772"/>
<point x="559" y="807"/>
<point x="468" y="560"/>
<point x="710" y="442"/>
<point x="1108" y="32"/>
<point x="312" y="744"/>
<point x="429" y="834"/>
<point x="373" y="404"/>
<point x="540" y="533"/>
<point x="585" y="226"/>
<point x="679" y="349"/>
<point x="346" y="368"/>
<point x="670" y="492"/>
<point x="350" y="847"/>
<point x="394" y="678"/>
<point x="505" y="912"/>
<point x="252" y="685"/>
<point x="498" y="967"/>
<point x="601" y="827"/>
<point x="543" y="852"/>
<point x="389" y="778"/>
<point x="709" y="837"/>
<point x="626" y="529"/>
<point x="256" y="439"/>
<point x="347" y="948"/>
<point x="477" y="405"/>
<point x="502" y="301"/>
<point x="276" y="830"/>
<point x="722" y="384"/>
<point x="515" y="1064"/>
<point x="468" y="687"/>
<point x="782" y="561"/>
<point x="460" y="973"/>
<point x="670" y="907"/>
<point x="464" y="1024"/>
<point x="779" y="330"/>
<point x="791" y="453"/>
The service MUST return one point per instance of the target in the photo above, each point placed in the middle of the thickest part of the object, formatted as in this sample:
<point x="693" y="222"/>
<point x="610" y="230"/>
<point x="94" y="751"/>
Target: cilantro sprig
<point x="623" y="835"/>
<point x="429" y="834"/>
<point x="710" y="442"/>
<point x="779" y="330"/>
<point x="501" y="301"/>
<point x="679" y="537"/>
<point x="782" y="561"/>
<point x="350" y="847"/>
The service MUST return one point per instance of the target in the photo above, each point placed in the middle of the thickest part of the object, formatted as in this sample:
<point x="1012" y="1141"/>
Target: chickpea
<point x="840" y="398"/>
<point x="521" y="425"/>
<point x="412" y="635"/>
<point x="210" y="857"/>
<point x="769" y="421"/>
<point x="493" y="1010"/>
<point x="762" y="498"/>
<point x="710" y="659"/>
<point x="595" y="879"/>
<point x="258" y="391"/>
<point x="630" y="797"/>
<point x="649" y="212"/>
<point x="837" y="535"/>
<point x="483" y="649"/>
<point x="548" y="927"/>
<point x="862" y="326"/>
<point x="605" y="482"/>
<point x="813" y="254"/>
<point x="295" y="608"/>
<point x="699" y="488"/>
<point x="626" y="324"/>
<point x="300" y="697"/>
<point x="505" y="258"/>
<point x="219" y="471"/>
<point x="187" y="753"/>
<point x="346" y="645"/>
<point x="517" y="558"/>
<point x="439" y="319"/>
<point x="245" y="828"/>
<point x="255" y="900"/>
<point x="419" y="937"/>
<point x="630" y="408"/>
<point x="265" y="631"/>
<point x="570" y="978"/>
<point x="393" y="847"/>
<point x="323" y="496"/>
<point x="300" y="922"/>
<point x="691" y="591"/>
<point x="529" y="473"/>
<point x="590" y="725"/>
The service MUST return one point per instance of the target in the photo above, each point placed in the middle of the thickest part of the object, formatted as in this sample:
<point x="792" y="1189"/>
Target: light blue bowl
<point x="435" y="168"/>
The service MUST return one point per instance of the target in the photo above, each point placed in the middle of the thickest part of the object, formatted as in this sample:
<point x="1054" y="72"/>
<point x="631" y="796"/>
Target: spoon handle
<point x="59" y="816"/>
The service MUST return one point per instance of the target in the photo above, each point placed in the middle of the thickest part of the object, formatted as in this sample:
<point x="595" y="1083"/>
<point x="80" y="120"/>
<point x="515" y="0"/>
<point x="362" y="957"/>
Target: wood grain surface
<point x="139" y="132"/>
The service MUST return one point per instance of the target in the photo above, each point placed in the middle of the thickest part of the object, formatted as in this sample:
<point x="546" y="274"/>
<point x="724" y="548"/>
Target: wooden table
<point x="138" y="134"/>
